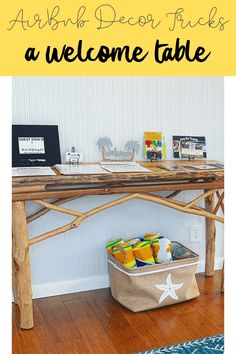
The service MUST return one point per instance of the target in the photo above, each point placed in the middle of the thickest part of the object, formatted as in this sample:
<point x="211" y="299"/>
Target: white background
<point x="86" y="108"/>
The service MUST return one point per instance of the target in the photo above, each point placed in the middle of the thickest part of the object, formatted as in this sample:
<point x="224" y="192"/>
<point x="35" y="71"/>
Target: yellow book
<point x="153" y="145"/>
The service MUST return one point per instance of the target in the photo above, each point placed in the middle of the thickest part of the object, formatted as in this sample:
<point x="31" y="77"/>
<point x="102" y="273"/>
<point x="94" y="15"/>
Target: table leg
<point x="210" y="237"/>
<point x="14" y="282"/>
<point x="222" y="279"/>
<point x="21" y="266"/>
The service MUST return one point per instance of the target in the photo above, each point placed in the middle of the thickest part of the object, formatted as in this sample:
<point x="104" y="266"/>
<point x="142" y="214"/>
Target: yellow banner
<point x="118" y="37"/>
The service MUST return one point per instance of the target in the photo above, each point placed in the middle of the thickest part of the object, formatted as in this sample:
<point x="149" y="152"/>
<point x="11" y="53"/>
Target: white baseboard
<point x="70" y="286"/>
<point x="91" y="283"/>
<point x="218" y="265"/>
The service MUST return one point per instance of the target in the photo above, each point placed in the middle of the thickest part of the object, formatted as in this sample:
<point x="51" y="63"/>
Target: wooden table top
<point x="157" y="174"/>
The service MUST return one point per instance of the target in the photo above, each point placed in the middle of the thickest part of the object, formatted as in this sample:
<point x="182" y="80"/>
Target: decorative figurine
<point x="114" y="155"/>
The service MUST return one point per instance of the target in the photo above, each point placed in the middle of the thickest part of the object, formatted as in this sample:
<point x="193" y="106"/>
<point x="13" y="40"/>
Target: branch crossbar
<point x="58" y="208"/>
<point x="45" y="210"/>
<point x="200" y="197"/>
<point x="220" y="202"/>
<point x="189" y="208"/>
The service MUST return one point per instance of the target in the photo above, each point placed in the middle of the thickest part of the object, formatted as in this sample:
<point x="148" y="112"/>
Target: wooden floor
<point x="93" y="322"/>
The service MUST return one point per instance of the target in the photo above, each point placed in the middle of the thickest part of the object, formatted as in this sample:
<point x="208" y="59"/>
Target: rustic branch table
<point x="61" y="189"/>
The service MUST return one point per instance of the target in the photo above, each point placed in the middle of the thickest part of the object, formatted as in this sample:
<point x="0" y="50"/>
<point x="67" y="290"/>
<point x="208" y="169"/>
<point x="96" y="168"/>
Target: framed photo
<point x="189" y="147"/>
<point x="35" y="145"/>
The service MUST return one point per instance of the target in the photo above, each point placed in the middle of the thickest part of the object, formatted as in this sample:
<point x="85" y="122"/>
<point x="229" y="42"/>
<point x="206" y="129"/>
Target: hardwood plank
<point x="93" y="322"/>
<point x="142" y="322"/>
<point x="73" y="347"/>
<point x="37" y="340"/>
<point x="59" y="322"/>
<point x="91" y="329"/>
<point x="112" y="316"/>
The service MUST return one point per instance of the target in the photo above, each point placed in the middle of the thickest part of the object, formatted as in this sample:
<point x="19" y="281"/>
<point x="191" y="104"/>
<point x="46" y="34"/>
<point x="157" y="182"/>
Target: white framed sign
<point x="31" y="145"/>
<point x="73" y="157"/>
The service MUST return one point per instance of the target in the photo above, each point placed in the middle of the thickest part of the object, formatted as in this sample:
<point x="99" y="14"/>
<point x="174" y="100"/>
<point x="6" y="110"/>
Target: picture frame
<point x="35" y="145"/>
<point x="189" y="147"/>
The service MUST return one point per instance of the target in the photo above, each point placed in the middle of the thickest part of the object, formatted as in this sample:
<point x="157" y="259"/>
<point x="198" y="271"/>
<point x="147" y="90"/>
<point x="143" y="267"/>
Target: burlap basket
<point x="154" y="286"/>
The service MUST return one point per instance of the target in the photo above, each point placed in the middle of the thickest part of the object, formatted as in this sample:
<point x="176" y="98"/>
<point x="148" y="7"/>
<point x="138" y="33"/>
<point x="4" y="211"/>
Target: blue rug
<point x="209" y="345"/>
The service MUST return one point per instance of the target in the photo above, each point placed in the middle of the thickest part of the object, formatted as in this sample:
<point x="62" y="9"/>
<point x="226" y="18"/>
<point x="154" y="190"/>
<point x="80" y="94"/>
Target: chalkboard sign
<point x="35" y="145"/>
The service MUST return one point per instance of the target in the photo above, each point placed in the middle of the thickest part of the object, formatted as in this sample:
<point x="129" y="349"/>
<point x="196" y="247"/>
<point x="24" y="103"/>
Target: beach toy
<point x="123" y="252"/>
<point x="110" y="244"/>
<point x="143" y="254"/>
<point x="162" y="249"/>
<point x="151" y="236"/>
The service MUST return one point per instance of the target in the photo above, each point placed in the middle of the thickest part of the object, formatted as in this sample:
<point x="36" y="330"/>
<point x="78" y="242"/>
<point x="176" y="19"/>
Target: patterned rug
<point x="209" y="345"/>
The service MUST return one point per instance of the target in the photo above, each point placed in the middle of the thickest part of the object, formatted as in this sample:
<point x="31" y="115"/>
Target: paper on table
<point x="209" y="166"/>
<point x="118" y="163"/>
<point x="32" y="171"/>
<point x="125" y="168"/>
<point x="80" y="169"/>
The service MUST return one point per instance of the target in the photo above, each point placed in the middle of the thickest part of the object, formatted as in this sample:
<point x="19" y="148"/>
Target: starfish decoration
<point x="169" y="289"/>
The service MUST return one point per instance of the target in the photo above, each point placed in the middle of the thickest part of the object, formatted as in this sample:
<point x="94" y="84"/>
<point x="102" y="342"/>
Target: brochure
<point x="84" y="169"/>
<point x="32" y="171"/>
<point x="125" y="168"/>
<point x="206" y="167"/>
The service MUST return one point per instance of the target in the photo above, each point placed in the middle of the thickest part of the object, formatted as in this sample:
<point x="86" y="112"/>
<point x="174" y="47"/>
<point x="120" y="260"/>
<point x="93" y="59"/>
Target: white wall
<point x="86" y="108"/>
